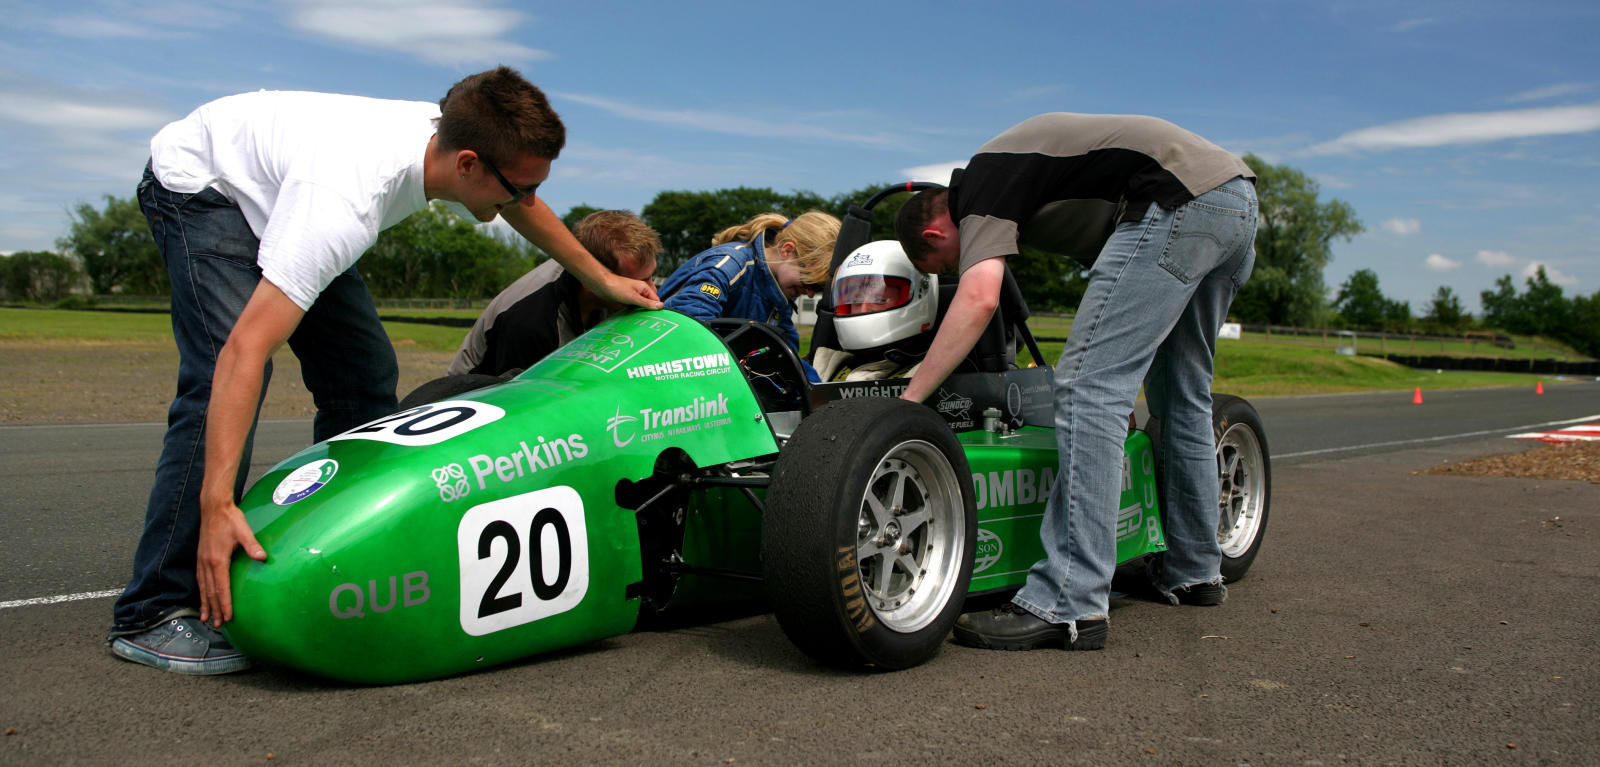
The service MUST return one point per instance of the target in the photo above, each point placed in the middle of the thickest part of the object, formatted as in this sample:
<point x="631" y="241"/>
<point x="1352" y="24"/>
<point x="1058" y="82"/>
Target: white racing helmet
<point x="880" y="298"/>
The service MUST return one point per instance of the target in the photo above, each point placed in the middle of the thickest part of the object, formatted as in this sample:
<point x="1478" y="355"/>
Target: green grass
<point x="130" y="328"/>
<point x="1254" y="366"/>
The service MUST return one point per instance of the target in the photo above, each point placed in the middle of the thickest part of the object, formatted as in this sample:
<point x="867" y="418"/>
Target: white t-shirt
<point x="316" y="175"/>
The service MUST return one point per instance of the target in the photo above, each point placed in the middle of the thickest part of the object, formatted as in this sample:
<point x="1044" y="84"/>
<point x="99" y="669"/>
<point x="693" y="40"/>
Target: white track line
<point x="1419" y="441"/>
<point x="57" y="599"/>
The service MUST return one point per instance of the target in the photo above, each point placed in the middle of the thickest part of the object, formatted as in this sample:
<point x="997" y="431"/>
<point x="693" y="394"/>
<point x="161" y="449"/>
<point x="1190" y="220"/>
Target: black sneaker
<point x="1009" y="627"/>
<point x="1200" y="595"/>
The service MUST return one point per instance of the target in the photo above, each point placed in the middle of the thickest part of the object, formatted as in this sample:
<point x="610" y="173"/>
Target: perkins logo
<point x="452" y="482"/>
<point x="527" y="458"/>
<point x="687" y="367"/>
<point x="655" y="423"/>
<point x="711" y="290"/>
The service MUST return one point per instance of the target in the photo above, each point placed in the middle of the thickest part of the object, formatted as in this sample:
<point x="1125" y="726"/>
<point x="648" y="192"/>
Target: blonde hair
<point x="812" y="233"/>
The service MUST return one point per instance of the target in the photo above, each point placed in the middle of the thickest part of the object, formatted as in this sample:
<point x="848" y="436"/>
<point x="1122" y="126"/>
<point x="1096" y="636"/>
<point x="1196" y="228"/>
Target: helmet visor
<point x="868" y="293"/>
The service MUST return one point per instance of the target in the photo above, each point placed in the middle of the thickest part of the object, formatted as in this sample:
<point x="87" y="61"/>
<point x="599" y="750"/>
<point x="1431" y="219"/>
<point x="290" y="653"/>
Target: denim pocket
<point x="1204" y="234"/>
<point x="214" y="226"/>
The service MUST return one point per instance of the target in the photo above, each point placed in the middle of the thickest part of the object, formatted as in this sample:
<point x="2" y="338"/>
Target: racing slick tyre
<point x="867" y="541"/>
<point x="1244" y="472"/>
<point x="447" y="387"/>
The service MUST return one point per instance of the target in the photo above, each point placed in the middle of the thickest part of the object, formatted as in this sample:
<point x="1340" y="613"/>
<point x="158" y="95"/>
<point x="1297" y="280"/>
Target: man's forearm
<point x="539" y="225"/>
<point x="970" y="310"/>
<point x="955" y="339"/>
<point x="235" y="391"/>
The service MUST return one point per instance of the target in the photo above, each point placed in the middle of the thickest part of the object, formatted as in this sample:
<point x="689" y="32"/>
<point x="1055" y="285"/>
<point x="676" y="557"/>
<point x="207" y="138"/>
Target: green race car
<point x="657" y="463"/>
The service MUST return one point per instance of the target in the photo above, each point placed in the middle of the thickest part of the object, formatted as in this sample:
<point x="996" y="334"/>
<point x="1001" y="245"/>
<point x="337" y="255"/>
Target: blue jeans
<point x="1157" y="296"/>
<point x="345" y="356"/>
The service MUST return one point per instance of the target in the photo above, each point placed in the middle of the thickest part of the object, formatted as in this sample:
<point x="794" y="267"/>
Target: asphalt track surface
<point x="1392" y="618"/>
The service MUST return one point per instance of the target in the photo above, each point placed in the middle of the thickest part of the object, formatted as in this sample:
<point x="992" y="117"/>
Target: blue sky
<point x="1465" y="134"/>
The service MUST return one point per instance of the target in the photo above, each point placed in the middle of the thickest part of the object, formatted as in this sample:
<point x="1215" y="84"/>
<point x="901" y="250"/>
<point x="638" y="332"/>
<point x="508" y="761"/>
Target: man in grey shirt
<point x="1165" y="221"/>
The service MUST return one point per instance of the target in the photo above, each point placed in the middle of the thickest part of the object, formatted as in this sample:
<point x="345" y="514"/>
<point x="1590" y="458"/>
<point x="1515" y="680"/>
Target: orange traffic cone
<point x="1416" y="399"/>
<point x="1539" y="388"/>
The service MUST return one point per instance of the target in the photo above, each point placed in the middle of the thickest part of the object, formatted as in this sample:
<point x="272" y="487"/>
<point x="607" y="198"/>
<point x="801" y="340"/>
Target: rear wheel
<point x="1244" y="475"/>
<point x="1244" y="471"/>
<point x="868" y="538"/>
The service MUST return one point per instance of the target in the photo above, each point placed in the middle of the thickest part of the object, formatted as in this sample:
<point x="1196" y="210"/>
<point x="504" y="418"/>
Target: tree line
<point x="436" y="254"/>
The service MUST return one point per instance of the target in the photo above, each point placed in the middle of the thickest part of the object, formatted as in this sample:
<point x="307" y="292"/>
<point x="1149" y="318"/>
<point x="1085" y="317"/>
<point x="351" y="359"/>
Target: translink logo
<point x="615" y="427"/>
<point x="655" y="423"/>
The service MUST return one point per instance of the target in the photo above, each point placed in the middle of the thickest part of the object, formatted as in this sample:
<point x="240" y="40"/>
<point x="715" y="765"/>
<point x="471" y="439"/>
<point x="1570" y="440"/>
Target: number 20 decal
<point x="427" y="424"/>
<point x="522" y="559"/>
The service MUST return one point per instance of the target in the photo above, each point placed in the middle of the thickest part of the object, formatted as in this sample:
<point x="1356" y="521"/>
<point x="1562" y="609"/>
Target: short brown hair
<point x="914" y="216"/>
<point x="608" y="234"/>
<point x="500" y="116"/>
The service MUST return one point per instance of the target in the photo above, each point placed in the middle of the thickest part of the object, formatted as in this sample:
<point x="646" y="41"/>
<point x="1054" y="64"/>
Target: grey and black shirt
<point x="532" y="317"/>
<point x="1061" y="182"/>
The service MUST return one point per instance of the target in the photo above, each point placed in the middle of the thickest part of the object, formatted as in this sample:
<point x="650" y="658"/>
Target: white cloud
<point x="79" y="144"/>
<point x="1437" y="263"/>
<point x="1555" y="275"/>
<point x="449" y="32"/>
<point x="150" y="20"/>
<point x="735" y="124"/>
<point x="75" y="112"/>
<point x="938" y="173"/>
<point x="628" y="169"/>
<point x="1034" y="93"/>
<point x="1329" y="181"/>
<point x="1403" y="226"/>
<point x="1551" y="91"/>
<point x="1495" y="258"/>
<point x="1465" y="128"/>
<point x="95" y="27"/>
<point x="1410" y="24"/>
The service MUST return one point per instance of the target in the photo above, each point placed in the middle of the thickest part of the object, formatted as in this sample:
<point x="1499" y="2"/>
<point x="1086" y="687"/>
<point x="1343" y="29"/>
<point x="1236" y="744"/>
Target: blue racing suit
<point x="731" y="280"/>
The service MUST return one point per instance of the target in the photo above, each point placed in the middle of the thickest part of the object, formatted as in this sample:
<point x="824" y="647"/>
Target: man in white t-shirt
<point x="260" y="205"/>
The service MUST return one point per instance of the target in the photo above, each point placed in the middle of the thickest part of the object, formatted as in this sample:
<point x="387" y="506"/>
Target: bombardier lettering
<point x="687" y="367"/>
<point x="1017" y="487"/>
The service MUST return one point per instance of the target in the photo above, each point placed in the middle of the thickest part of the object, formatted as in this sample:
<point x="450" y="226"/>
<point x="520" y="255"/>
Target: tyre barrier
<point x="1494" y="364"/>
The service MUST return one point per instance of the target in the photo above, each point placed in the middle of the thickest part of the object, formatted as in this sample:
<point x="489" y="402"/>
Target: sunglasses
<point x="517" y="195"/>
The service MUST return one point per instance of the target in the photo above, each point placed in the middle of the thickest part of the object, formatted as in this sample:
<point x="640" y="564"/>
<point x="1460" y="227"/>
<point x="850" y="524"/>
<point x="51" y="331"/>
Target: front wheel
<point x="868" y="539"/>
